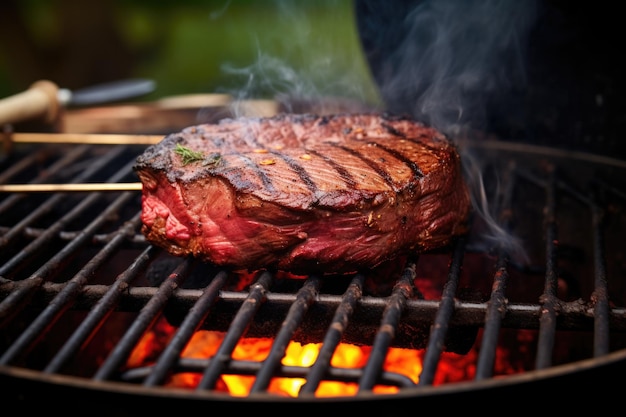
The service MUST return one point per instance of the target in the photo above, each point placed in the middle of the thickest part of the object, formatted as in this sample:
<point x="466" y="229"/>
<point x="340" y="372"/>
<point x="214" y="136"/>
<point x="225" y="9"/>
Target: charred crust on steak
<point x="304" y="193"/>
<point x="391" y="130"/>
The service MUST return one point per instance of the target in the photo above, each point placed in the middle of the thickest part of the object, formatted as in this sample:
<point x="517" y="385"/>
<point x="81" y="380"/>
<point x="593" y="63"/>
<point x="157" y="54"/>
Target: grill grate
<point x="79" y="283"/>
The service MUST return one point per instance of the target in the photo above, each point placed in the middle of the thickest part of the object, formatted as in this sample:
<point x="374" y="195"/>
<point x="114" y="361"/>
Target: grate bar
<point x="54" y="230"/>
<point x="63" y="300"/>
<point x="403" y="290"/>
<point x="240" y="323"/>
<point x="11" y="305"/>
<point x="440" y="327"/>
<point x="13" y="302"/>
<point x="467" y="313"/>
<point x="333" y="336"/>
<point x="33" y="158"/>
<point x="304" y="299"/>
<point x="192" y="322"/>
<point x="497" y="305"/>
<point x="23" y="163"/>
<point x="147" y="316"/>
<point x="600" y="298"/>
<point x="244" y="367"/>
<point x="495" y="310"/>
<point x="98" y="239"/>
<point x="55" y="199"/>
<point x="100" y="312"/>
<point x="549" y="301"/>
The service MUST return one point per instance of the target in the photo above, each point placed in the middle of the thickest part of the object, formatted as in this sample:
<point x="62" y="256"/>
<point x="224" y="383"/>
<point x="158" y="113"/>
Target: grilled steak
<point x="303" y="193"/>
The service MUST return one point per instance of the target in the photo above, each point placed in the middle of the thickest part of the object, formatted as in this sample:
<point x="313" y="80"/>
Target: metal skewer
<point x="82" y="138"/>
<point x="10" y="139"/>
<point x="78" y="187"/>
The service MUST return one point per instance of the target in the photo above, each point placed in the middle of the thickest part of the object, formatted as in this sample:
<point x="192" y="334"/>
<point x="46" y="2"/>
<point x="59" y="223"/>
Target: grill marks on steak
<point x="304" y="193"/>
<point x="298" y="169"/>
<point x="344" y="174"/>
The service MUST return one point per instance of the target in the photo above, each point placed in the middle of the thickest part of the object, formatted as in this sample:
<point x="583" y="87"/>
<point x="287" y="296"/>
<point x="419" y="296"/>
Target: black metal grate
<point x="79" y="286"/>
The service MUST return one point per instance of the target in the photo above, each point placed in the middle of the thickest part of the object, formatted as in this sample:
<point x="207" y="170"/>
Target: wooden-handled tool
<point x="40" y="101"/>
<point x="44" y="99"/>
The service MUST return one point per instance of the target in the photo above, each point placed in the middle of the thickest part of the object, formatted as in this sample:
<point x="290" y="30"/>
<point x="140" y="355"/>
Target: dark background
<point x="556" y="79"/>
<point x="561" y="85"/>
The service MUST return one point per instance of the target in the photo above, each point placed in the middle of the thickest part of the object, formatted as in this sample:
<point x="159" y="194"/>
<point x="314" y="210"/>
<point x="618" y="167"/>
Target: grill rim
<point x="14" y="376"/>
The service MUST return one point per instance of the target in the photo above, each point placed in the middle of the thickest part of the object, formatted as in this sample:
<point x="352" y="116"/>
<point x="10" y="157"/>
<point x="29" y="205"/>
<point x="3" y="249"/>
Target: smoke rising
<point x="448" y="63"/>
<point x="310" y="53"/>
<point x="458" y="66"/>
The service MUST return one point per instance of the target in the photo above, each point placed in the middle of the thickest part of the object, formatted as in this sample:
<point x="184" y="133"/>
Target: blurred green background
<point x="242" y="47"/>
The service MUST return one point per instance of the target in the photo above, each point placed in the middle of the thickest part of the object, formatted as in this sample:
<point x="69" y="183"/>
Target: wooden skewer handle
<point x="40" y="101"/>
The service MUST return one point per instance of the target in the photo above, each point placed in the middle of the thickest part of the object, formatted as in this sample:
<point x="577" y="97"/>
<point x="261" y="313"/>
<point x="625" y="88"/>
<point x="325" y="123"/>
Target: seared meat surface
<point x="303" y="193"/>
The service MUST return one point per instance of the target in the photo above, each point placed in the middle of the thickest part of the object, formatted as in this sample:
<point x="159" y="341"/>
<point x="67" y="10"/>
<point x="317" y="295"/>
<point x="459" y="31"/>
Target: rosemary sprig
<point x="188" y="155"/>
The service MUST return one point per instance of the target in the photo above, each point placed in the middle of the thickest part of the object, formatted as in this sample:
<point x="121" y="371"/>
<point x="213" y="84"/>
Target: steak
<point x="303" y="193"/>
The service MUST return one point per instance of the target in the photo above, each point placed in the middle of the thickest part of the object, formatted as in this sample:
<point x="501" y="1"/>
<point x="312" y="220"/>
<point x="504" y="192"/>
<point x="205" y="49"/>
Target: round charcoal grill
<point x="539" y="281"/>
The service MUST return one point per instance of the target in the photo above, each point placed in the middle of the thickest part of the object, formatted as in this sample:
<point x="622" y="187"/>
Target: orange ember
<point x="204" y="344"/>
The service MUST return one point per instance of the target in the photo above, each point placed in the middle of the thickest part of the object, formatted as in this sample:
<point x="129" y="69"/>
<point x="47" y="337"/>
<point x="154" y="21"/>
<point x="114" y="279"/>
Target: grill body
<point x="80" y="287"/>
